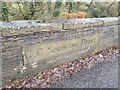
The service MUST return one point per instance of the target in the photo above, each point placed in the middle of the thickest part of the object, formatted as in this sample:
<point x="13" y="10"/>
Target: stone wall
<point x="29" y="47"/>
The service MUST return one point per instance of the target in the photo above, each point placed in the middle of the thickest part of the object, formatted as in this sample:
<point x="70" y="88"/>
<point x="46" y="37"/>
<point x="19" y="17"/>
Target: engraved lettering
<point x="27" y="54"/>
<point x="51" y="49"/>
<point x="39" y="52"/>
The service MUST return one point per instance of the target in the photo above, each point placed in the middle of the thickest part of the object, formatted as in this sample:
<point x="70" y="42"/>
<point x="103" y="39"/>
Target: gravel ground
<point x="94" y="71"/>
<point x="101" y="75"/>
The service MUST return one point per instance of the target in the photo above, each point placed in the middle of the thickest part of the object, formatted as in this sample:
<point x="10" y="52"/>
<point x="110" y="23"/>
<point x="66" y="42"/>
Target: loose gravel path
<point x="101" y="75"/>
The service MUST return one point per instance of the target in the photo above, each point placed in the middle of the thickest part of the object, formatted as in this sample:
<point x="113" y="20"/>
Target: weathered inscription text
<point x="40" y="51"/>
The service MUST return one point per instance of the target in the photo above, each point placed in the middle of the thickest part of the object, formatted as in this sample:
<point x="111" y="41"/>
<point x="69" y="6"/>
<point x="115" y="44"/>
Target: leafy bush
<point x="4" y="11"/>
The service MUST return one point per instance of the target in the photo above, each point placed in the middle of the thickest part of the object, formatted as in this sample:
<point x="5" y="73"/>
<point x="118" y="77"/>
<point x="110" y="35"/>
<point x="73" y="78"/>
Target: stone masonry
<point x="28" y="47"/>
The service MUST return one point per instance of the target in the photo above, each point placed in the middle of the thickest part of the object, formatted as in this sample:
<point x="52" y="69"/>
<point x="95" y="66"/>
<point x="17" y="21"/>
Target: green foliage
<point x="5" y="11"/>
<point x="83" y="7"/>
<point x="96" y="12"/>
<point x="50" y="10"/>
<point x="56" y="13"/>
<point x="57" y="9"/>
<point x="58" y="5"/>
<point x="70" y="7"/>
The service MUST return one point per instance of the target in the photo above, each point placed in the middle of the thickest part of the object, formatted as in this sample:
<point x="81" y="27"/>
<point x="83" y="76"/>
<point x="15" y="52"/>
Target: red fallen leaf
<point x="24" y="83"/>
<point x="28" y="85"/>
<point x="33" y="85"/>
<point x="50" y="73"/>
<point x="65" y="66"/>
<point x="43" y="85"/>
<point x="44" y="76"/>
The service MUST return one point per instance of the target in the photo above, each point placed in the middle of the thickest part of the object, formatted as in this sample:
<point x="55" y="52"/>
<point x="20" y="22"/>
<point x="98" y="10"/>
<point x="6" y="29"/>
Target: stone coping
<point x="30" y="26"/>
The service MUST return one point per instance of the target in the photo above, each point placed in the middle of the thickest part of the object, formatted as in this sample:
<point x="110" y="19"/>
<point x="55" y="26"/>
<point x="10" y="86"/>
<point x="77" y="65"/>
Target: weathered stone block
<point x="40" y="46"/>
